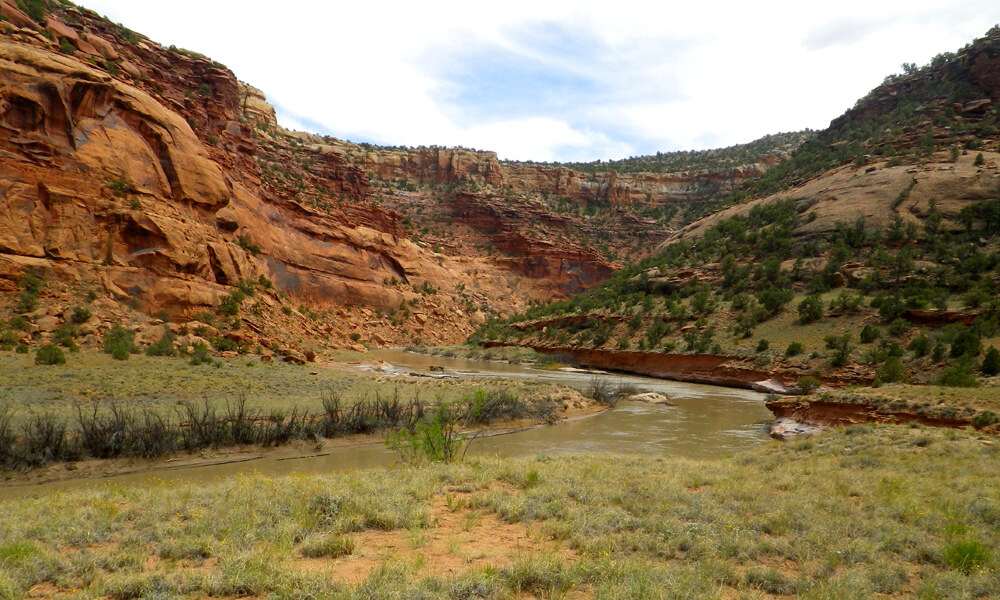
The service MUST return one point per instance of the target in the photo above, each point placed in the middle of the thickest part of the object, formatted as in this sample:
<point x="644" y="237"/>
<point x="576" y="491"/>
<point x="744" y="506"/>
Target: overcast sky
<point x="563" y="81"/>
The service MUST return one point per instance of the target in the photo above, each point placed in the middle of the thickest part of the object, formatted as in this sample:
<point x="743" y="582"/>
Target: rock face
<point x="161" y="179"/>
<point x="153" y="175"/>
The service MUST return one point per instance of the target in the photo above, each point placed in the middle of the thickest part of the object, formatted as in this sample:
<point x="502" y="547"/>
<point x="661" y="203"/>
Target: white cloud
<point x="674" y="76"/>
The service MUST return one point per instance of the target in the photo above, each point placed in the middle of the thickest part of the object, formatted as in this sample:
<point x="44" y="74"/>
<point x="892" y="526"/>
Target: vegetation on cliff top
<point x="881" y="304"/>
<point x="778" y="145"/>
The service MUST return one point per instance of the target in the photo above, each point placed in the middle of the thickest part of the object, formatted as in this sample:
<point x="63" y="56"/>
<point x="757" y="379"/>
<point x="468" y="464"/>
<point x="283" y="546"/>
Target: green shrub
<point x="50" y="354"/>
<point x="80" y="315"/>
<point x="869" y="334"/>
<point x="247" y="244"/>
<point x="763" y="345"/>
<point x="119" y="343"/>
<point x="27" y="299"/>
<point x="890" y="371"/>
<point x="966" y="344"/>
<point x="230" y="304"/>
<point x="958" y="374"/>
<point x="199" y="354"/>
<point x="436" y="440"/>
<point x="810" y="309"/>
<point x="920" y="345"/>
<point x="991" y="363"/>
<point x="163" y="346"/>
<point x="33" y="8"/>
<point x="794" y="349"/>
<point x="841" y="345"/>
<point x="22" y="348"/>
<point x="223" y="344"/>
<point x="120" y="187"/>
<point x="898" y="327"/>
<point x="980" y="160"/>
<point x="809" y="384"/>
<point x="19" y="324"/>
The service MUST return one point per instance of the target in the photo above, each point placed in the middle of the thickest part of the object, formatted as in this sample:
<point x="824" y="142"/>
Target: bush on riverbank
<point x="133" y="433"/>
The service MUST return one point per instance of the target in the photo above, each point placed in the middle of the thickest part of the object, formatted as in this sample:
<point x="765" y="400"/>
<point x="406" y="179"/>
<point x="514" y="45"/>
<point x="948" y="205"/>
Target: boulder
<point x="48" y="324"/>
<point x="293" y="356"/>
<point x="60" y="29"/>
<point x="786" y="429"/>
<point x="652" y="398"/>
<point x="151" y="334"/>
<point x="771" y="386"/>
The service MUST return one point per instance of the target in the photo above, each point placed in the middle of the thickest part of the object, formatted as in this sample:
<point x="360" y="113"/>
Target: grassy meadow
<point x="163" y="383"/>
<point x="864" y="512"/>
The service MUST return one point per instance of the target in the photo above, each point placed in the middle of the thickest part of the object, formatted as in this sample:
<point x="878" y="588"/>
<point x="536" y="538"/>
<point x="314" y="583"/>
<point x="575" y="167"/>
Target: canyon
<point x="153" y="176"/>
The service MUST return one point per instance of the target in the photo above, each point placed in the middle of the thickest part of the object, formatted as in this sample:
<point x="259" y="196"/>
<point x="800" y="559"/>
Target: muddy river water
<point x="707" y="422"/>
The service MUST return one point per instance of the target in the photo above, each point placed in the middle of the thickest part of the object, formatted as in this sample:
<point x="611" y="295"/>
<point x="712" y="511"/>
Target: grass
<point x="93" y="377"/>
<point x="856" y="513"/>
<point x="509" y="354"/>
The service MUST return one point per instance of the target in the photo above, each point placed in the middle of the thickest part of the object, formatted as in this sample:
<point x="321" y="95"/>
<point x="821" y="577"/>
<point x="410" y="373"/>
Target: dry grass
<point x="865" y="512"/>
<point x="162" y="384"/>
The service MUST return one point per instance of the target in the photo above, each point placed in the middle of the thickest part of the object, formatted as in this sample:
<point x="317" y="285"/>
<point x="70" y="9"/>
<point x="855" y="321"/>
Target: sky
<point x="556" y="80"/>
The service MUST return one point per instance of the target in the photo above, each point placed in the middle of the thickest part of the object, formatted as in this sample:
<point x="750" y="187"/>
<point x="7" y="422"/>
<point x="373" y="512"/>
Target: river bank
<point x="708" y="369"/>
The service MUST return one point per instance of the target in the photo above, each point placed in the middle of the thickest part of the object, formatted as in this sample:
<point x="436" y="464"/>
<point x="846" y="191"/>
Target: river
<point x="708" y="422"/>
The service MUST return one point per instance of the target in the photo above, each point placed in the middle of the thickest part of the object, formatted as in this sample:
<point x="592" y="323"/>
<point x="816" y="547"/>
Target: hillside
<point x="869" y="255"/>
<point x="147" y="186"/>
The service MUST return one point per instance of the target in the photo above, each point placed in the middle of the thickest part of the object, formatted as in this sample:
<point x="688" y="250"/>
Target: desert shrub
<point x="27" y="299"/>
<point x="920" y="345"/>
<point x="810" y="309"/>
<point x="991" y="363"/>
<point x="199" y="354"/>
<point x="230" y="304"/>
<point x="794" y="349"/>
<point x="763" y="345"/>
<point x="223" y="344"/>
<point x="891" y="308"/>
<point x="65" y="335"/>
<point x="163" y="346"/>
<point x="898" y="327"/>
<point x="808" y="384"/>
<point x="435" y="439"/>
<point x="841" y="346"/>
<point x="119" y="343"/>
<point x="966" y="343"/>
<point x="50" y="354"/>
<point x="599" y="389"/>
<point x="890" y="371"/>
<point x="958" y="374"/>
<point x="80" y="315"/>
<point x="33" y="8"/>
<point x="869" y="334"/>
<point x="248" y="244"/>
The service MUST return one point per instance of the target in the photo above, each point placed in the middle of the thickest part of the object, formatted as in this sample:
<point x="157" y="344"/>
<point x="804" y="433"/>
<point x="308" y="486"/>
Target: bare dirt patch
<point x="461" y="539"/>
